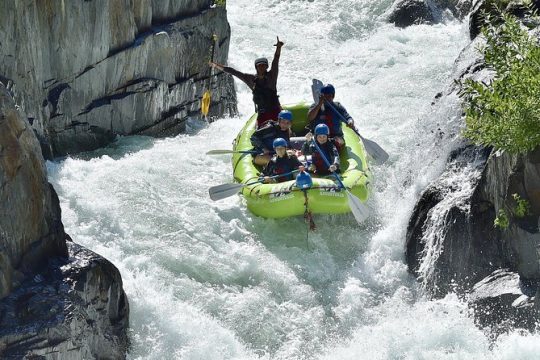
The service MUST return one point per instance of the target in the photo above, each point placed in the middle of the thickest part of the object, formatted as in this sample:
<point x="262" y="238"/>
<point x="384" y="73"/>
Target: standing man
<point x="263" y="85"/>
<point x="320" y="114"/>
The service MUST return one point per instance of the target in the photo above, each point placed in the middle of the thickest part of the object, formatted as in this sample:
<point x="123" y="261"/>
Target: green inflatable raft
<point x="278" y="200"/>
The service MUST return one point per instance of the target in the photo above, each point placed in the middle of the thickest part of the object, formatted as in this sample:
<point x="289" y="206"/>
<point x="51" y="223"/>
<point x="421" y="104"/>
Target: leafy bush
<point x="502" y="221"/>
<point x="505" y="113"/>
<point x="522" y="206"/>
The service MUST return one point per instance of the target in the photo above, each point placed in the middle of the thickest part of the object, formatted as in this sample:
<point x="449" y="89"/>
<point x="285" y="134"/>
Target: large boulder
<point x="481" y="7"/>
<point x="86" y="71"/>
<point x="404" y="13"/>
<point x="73" y="309"/>
<point x="452" y="242"/>
<point x="501" y="301"/>
<point x="470" y="247"/>
<point x="57" y="300"/>
<point x="31" y="230"/>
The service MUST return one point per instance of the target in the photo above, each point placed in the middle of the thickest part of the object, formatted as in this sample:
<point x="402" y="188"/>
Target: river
<point x="208" y="280"/>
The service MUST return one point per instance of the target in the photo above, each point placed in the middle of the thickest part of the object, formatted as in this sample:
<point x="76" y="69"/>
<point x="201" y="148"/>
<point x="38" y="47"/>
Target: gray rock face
<point x="471" y="246"/>
<point x="505" y="176"/>
<point x="404" y="13"/>
<point x="52" y="304"/>
<point x="479" y="7"/>
<point x="30" y="227"/>
<point x="86" y="71"/>
<point x="408" y="12"/>
<point x="463" y="246"/>
<point x="74" y="309"/>
<point x="502" y="302"/>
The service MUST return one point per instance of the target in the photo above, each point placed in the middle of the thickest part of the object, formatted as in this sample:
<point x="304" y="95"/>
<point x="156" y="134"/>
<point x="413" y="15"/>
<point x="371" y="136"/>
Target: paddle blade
<point x="205" y="103"/>
<point x="359" y="210"/>
<point x="219" y="152"/>
<point x="316" y="87"/>
<point x="375" y="151"/>
<point x="224" y="191"/>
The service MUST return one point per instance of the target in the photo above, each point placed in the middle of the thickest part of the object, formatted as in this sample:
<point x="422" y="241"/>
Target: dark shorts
<point x="263" y="118"/>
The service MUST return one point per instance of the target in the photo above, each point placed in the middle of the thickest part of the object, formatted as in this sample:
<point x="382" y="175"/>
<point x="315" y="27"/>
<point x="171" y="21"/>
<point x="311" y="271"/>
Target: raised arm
<point x="246" y="78"/>
<point x="277" y="54"/>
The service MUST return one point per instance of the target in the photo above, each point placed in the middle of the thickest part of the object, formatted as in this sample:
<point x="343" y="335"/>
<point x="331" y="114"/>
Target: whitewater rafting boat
<point x="326" y="196"/>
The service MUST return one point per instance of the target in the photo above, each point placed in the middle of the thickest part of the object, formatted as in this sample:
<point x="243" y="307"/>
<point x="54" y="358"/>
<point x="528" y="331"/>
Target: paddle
<point x="358" y="209"/>
<point x="206" y="98"/>
<point x="372" y="148"/>
<point x="221" y="152"/>
<point x="223" y="191"/>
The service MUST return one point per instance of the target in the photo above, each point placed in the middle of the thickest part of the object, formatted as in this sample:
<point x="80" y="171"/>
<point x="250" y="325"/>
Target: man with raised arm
<point x="263" y="85"/>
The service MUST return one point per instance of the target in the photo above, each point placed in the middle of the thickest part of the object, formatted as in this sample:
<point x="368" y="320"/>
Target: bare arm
<point x="247" y="78"/>
<point x="312" y="114"/>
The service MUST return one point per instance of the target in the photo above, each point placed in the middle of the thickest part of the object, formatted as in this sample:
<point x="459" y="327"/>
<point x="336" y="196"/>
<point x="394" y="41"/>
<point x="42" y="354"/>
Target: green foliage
<point x="502" y="221"/>
<point x="502" y="4"/>
<point x="505" y="113"/>
<point x="522" y="206"/>
<point x="220" y="2"/>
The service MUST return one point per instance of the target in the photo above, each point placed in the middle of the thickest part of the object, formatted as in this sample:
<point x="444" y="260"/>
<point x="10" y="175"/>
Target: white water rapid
<point x="208" y="280"/>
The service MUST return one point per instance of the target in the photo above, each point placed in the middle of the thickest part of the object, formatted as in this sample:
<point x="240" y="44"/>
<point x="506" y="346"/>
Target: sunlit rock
<point x="58" y="300"/>
<point x="502" y="302"/>
<point x="86" y="71"/>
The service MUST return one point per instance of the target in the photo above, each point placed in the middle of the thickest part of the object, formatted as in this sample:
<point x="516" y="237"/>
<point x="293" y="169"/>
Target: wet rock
<point x="501" y="301"/>
<point x="54" y="303"/>
<point x="482" y="7"/>
<point x="77" y="310"/>
<point x="409" y="12"/>
<point x="449" y="241"/>
<point x="452" y="242"/>
<point x="30" y="226"/>
<point x="404" y="13"/>
<point x="86" y="71"/>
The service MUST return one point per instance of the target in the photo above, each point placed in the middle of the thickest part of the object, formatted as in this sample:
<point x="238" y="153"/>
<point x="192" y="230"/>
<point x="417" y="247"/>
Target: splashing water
<point x="208" y="280"/>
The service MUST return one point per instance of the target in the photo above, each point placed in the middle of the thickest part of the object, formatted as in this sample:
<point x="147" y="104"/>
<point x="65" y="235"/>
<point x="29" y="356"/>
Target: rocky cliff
<point x="452" y="243"/>
<point x="86" y="71"/>
<point x="57" y="299"/>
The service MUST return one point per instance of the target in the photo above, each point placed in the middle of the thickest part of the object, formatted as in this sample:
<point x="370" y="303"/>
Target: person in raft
<point x="318" y="165"/>
<point x="281" y="163"/>
<point x="320" y="114"/>
<point x="263" y="139"/>
<point x="263" y="85"/>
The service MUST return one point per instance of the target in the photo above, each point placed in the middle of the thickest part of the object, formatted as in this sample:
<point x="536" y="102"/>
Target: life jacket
<point x="265" y="98"/>
<point x="318" y="160"/>
<point x="271" y="132"/>
<point x="283" y="165"/>
<point x="328" y="118"/>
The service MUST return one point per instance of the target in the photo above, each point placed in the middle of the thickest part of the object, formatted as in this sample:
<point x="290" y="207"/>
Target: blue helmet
<point x="322" y="129"/>
<point x="285" y="115"/>
<point x="303" y="180"/>
<point x="328" y="89"/>
<point x="279" y="142"/>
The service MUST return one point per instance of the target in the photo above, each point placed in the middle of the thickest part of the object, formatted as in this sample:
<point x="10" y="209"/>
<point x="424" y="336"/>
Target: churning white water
<point x="208" y="280"/>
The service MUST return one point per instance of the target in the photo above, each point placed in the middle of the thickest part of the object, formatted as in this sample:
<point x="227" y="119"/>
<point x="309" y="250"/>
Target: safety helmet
<point x="303" y="180"/>
<point x="279" y="142"/>
<point x="328" y="89"/>
<point x="285" y="115"/>
<point x="261" y="60"/>
<point x="322" y="129"/>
